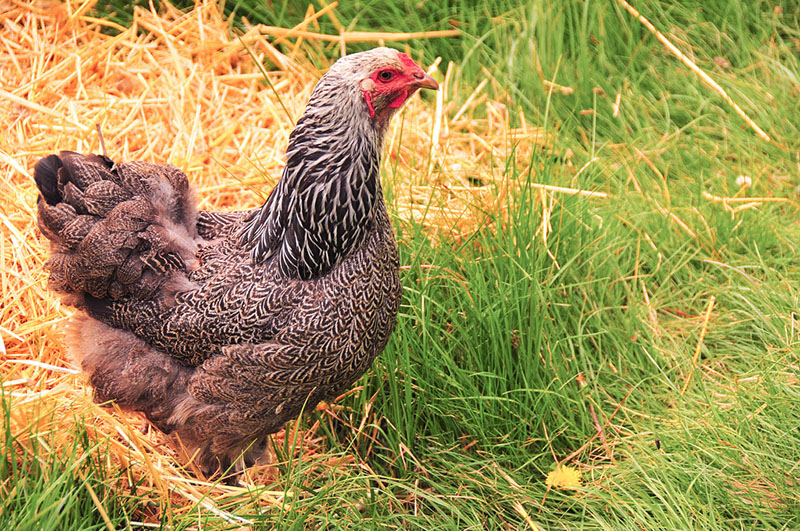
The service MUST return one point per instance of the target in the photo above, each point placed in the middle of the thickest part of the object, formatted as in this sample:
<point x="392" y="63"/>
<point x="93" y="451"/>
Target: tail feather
<point x="45" y="173"/>
<point x="53" y="219"/>
<point x="84" y="170"/>
<point x="101" y="197"/>
<point x="117" y="230"/>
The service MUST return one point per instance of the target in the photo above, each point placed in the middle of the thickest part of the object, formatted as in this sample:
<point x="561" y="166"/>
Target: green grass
<point x="501" y="356"/>
<point x="42" y="489"/>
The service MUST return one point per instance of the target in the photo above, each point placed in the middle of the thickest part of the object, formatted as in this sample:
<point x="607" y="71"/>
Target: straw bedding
<point x="178" y="87"/>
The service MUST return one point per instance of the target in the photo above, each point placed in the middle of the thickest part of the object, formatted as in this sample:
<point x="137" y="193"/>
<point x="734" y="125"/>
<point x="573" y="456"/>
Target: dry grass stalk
<point x="355" y="36"/>
<point x="699" y="346"/>
<point x="708" y="80"/>
<point x="176" y="88"/>
<point x="745" y="203"/>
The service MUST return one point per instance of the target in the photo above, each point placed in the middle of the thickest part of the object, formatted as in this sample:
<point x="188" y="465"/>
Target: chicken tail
<point x="117" y="230"/>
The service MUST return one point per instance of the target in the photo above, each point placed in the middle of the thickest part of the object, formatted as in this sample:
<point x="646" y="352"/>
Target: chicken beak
<point x="422" y="80"/>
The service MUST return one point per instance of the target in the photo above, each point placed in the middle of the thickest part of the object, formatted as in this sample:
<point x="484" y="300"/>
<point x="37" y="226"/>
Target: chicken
<point x="221" y="327"/>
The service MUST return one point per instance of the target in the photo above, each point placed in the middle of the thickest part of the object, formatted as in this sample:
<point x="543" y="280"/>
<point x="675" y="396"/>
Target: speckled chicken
<point x="220" y="327"/>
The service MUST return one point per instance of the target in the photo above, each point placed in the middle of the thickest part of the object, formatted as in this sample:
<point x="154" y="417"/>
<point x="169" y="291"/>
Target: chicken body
<point x="220" y="327"/>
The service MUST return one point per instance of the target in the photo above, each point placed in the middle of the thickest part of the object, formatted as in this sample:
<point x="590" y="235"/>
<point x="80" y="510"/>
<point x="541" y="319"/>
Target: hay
<point x="177" y="88"/>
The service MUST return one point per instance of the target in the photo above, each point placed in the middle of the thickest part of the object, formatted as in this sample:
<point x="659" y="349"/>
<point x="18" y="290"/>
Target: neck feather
<point x="323" y="207"/>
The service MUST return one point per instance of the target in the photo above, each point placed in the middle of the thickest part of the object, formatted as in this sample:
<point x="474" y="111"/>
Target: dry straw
<point x="178" y="87"/>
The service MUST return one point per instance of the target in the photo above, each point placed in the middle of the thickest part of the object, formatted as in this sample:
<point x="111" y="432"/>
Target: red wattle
<point x="398" y="101"/>
<point x="368" y="99"/>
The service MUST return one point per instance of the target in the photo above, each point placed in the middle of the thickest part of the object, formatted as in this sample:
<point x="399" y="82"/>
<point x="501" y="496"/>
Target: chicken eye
<point x="385" y="75"/>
